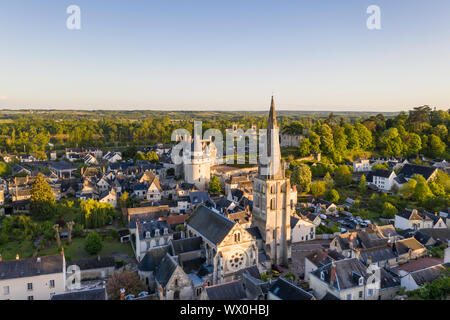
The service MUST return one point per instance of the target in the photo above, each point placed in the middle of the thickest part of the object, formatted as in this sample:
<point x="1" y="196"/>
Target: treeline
<point x="422" y="130"/>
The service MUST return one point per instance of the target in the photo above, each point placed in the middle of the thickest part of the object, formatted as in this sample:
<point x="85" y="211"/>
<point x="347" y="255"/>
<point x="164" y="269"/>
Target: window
<point x="349" y="297"/>
<point x="6" y="290"/>
<point x="322" y="275"/>
<point x="361" y="281"/>
<point x="370" y="292"/>
<point x="30" y="298"/>
<point x="30" y="286"/>
<point x="360" y="294"/>
<point x="237" y="237"/>
<point x="52" y="283"/>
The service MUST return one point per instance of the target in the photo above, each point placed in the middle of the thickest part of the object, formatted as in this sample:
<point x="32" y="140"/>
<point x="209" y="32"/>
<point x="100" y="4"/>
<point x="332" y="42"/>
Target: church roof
<point x="211" y="225"/>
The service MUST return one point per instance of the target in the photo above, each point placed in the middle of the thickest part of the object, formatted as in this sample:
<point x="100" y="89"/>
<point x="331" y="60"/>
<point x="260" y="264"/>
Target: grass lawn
<point x="25" y="249"/>
<point x="76" y="250"/>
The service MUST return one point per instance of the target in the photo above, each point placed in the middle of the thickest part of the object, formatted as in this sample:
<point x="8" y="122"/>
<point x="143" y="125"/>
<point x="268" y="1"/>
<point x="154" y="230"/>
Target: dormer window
<point x="322" y="275"/>
<point x="166" y="231"/>
<point x="147" y="234"/>
<point x="157" y="233"/>
<point x="361" y="281"/>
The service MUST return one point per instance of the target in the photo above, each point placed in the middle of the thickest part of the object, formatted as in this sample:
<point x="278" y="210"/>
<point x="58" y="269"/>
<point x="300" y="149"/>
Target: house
<point x="350" y="279"/>
<point x="408" y="249"/>
<point x="441" y="164"/>
<point x="113" y="156"/>
<point x="361" y="165"/>
<point x="362" y="239"/>
<point x="89" y="159"/>
<point x="281" y="289"/>
<point x="413" y="219"/>
<point x="109" y="197"/>
<point x="131" y="215"/>
<point x="150" y="234"/>
<point x="440" y="236"/>
<point x="34" y="278"/>
<point x="62" y="169"/>
<point x="151" y="260"/>
<point x="417" y="279"/>
<point x="96" y="268"/>
<point x="382" y="179"/>
<point x="382" y="256"/>
<point x="318" y="258"/>
<point x="302" y="229"/>
<point x="409" y="170"/>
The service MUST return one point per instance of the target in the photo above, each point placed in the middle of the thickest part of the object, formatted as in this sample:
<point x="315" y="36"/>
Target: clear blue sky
<point x="225" y="55"/>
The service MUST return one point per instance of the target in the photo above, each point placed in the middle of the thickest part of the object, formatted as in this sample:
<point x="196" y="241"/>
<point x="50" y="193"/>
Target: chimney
<point x="333" y="273"/>
<point x="122" y="294"/>
<point x="17" y="257"/>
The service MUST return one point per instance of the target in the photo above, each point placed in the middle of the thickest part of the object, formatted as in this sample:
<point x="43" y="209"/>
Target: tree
<point x="343" y="175"/>
<point x="362" y="187"/>
<point x="391" y="143"/>
<point x="301" y="176"/>
<point x="304" y="148"/>
<point x="57" y="235"/>
<point x="422" y="192"/>
<point x="93" y="243"/>
<point x="332" y="195"/>
<point x="152" y="156"/>
<point x="70" y="225"/>
<point x="318" y="188"/>
<point x="96" y="214"/>
<point x="315" y="142"/>
<point x="42" y="202"/>
<point x="408" y="189"/>
<point x="5" y="169"/>
<point x="435" y="146"/>
<point x="127" y="280"/>
<point x="365" y="136"/>
<point x="389" y="211"/>
<point x="326" y="139"/>
<point x="329" y="182"/>
<point x="215" y="186"/>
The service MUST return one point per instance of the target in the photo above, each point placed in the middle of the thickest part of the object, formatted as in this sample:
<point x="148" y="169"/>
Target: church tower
<point x="273" y="198"/>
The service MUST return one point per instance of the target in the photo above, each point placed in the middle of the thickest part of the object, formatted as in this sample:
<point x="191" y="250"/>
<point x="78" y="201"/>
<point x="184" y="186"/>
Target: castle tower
<point x="197" y="168"/>
<point x="273" y="198"/>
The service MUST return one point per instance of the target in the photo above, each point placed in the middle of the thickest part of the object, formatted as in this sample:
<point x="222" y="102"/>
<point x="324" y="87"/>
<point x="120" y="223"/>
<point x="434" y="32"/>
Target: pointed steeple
<point x="272" y="121"/>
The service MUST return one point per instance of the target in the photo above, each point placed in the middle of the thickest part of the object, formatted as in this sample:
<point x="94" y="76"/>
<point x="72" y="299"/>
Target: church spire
<point x="272" y="121"/>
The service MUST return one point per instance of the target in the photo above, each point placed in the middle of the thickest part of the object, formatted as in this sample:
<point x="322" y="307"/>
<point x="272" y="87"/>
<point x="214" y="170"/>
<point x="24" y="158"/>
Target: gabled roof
<point x="286" y="290"/>
<point x="95" y="263"/>
<point x="211" y="225"/>
<point x="403" y="246"/>
<point x="233" y="290"/>
<point x="429" y="274"/>
<point x="152" y="258"/>
<point x="409" y="170"/>
<point x="410" y="214"/>
<point x="31" y="267"/>
<point x="186" y="245"/>
<point x="165" y="270"/>
<point x="346" y="275"/>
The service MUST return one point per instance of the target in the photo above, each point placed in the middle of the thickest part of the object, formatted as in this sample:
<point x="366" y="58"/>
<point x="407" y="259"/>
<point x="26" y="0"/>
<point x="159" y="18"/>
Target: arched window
<point x="237" y="237"/>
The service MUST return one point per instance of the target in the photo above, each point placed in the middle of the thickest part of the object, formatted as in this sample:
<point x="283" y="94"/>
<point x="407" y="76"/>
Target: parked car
<point x="277" y="268"/>
<point x="275" y="273"/>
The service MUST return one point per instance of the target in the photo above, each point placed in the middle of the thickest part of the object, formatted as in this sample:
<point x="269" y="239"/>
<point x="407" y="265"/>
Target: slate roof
<point x="165" y="270"/>
<point x="151" y="226"/>
<point x="429" y="274"/>
<point x="254" y="231"/>
<point x="330" y="296"/>
<point x="62" y="165"/>
<point x="410" y="214"/>
<point x="403" y="246"/>
<point x="347" y="274"/>
<point x="186" y="245"/>
<point x="379" y="173"/>
<point x="31" y="267"/>
<point x="95" y="263"/>
<point x="442" y="235"/>
<point x="377" y="254"/>
<point x="286" y="290"/>
<point x="320" y="257"/>
<point x="198" y="197"/>
<point x="152" y="258"/>
<point x="409" y="170"/>
<point x="211" y="225"/>
<point x="89" y="294"/>
<point x="233" y="290"/>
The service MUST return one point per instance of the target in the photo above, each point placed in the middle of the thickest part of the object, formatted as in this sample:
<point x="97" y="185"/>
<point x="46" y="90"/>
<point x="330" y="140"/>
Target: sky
<point x="225" y="55"/>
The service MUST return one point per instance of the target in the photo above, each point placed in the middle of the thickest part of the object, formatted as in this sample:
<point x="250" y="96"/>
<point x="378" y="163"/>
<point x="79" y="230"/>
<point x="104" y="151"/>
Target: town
<point x="346" y="208"/>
